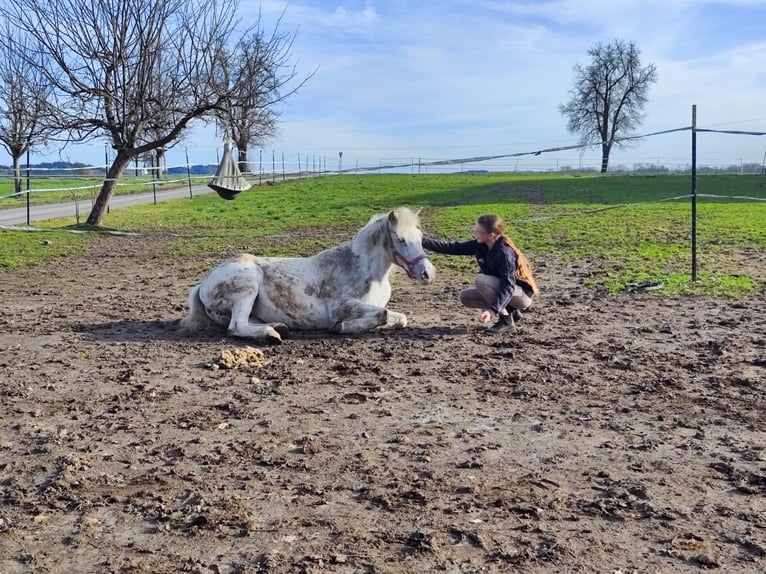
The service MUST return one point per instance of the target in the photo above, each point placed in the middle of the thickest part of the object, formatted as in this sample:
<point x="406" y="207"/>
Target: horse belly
<point x="309" y="315"/>
<point x="286" y="298"/>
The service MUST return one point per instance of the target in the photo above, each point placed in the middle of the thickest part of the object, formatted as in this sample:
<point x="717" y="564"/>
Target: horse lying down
<point x="344" y="289"/>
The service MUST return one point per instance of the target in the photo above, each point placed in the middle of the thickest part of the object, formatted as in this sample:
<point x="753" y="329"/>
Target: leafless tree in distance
<point x="261" y="76"/>
<point x="24" y="100"/>
<point x="138" y="72"/>
<point x="609" y="95"/>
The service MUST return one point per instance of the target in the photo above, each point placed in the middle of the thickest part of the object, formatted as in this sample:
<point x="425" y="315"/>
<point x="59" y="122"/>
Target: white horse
<point x="344" y="289"/>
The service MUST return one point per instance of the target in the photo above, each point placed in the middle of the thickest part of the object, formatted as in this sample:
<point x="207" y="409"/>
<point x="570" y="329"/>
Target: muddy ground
<point x="608" y="434"/>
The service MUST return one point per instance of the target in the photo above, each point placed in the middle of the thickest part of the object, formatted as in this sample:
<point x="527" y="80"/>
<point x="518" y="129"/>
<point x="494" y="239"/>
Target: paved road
<point x="18" y="215"/>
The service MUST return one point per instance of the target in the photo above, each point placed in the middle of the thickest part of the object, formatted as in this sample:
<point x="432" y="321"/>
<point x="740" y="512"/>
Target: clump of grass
<point x="20" y="248"/>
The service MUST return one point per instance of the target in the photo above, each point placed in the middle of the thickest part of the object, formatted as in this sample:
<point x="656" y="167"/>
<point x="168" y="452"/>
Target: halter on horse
<point x="344" y="289"/>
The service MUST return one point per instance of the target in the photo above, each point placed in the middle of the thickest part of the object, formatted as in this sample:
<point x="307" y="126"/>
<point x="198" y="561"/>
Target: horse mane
<point x="375" y="231"/>
<point x="407" y="217"/>
<point x="404" y="216"/>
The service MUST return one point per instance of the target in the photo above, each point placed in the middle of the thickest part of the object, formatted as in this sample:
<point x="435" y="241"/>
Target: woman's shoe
<point x="504" y="323"/>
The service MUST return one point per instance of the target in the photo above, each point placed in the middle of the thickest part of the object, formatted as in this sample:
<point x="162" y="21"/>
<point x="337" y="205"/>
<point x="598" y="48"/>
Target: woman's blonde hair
<point x="494" y="224"/>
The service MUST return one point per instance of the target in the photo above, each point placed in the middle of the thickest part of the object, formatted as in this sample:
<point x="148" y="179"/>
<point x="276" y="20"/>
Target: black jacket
<point x="499" y="261"/>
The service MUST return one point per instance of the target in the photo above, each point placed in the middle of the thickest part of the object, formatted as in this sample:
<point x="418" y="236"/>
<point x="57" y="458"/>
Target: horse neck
<point x="369" y="244"/>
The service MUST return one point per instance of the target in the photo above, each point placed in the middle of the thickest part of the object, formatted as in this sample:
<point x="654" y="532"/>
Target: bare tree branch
<point x="24" y="101"/>
<point x="137" y="72"/>
<point x="260" y="75"/>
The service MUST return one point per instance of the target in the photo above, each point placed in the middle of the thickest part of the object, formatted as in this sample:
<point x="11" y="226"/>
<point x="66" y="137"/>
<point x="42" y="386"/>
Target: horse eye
<point x="402" y="240"/>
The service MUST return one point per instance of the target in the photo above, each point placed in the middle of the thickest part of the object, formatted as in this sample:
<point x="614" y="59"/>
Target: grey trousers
<point x="485" y="291"/>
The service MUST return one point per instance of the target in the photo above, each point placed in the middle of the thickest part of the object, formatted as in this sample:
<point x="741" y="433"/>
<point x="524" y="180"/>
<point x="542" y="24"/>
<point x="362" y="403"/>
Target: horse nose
<point x="427" y="272"/>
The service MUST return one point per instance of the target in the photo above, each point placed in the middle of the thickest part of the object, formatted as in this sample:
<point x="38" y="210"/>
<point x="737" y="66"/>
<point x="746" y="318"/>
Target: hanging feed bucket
<point x="228" y="181"/>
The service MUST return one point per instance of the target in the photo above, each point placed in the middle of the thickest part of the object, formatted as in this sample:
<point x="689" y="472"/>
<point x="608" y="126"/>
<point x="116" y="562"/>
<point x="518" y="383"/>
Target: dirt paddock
<point x="608" y="434"/>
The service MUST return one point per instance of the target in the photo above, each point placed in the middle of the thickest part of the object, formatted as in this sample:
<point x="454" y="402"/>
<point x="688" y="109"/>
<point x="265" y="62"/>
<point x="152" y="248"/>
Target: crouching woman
<point x="505" y="285"/>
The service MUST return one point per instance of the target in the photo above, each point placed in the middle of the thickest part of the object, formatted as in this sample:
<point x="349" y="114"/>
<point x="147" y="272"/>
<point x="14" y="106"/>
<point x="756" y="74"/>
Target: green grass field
<point x="631" y="225"/>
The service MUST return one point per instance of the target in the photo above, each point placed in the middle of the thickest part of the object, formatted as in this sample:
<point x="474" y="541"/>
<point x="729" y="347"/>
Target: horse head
<point x="406" y="249"/>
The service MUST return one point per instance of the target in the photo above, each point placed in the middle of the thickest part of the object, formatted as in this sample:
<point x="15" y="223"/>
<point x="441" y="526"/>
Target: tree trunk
<point x="159" y="172"/>
<point x="605" y="149"/>
<point x="242" y="161"/>
<point x="121" y="161"/>
<point x="17" y="175"/>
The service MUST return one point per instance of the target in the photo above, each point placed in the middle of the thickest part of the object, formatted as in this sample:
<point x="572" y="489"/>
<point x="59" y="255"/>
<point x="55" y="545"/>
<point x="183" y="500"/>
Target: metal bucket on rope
<point x="228" y="181"/>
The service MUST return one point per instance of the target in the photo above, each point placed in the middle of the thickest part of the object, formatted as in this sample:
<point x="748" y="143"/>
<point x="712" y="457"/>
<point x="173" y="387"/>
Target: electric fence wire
<point x="482" y="158"/>
<point x="536" y="219"/>
<point x="163" y="182"/>
<point x="462" y="161"/>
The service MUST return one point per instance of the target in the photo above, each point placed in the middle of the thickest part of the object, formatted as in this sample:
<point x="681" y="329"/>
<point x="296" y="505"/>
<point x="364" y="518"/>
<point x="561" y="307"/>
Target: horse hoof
<point x="276" y="332"/>
<point x="274" y="339"/>
<point x="281" y="329"/>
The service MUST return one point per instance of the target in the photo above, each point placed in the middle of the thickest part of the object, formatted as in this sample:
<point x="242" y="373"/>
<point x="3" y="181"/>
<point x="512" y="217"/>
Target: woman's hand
<point x="485" y="317"/>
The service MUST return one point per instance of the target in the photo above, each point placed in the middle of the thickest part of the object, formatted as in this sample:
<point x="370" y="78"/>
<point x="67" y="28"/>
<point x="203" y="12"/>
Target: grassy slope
<point x="614" y="220"/>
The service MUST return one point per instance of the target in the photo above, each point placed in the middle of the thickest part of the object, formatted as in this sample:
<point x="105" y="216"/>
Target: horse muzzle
<point x="420" y="268"/>
<point x="423" y="272"/>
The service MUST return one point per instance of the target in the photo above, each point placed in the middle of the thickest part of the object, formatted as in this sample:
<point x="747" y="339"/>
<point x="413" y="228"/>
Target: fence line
<point x="694" y="195"/>
<point x="217" y="235"/>
<point x="524" y="220"/>
<point x="743" y="197"/>
<point x="319" y="162"/>
<point x="319" y="168"/>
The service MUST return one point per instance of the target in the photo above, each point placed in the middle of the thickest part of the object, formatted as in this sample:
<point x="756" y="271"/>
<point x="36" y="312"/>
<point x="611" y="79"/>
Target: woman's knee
<point x="483" y="282"/>
<point x="488" y="286"/>
<point x="472" y="298"/>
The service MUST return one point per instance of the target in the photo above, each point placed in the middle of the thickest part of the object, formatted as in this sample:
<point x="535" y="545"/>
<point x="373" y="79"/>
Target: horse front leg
<point x="357" y="317"/>
<point x="395" y="319"/>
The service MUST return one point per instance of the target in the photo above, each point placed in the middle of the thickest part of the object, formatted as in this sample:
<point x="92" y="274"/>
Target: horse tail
<point x="197" y="319"/>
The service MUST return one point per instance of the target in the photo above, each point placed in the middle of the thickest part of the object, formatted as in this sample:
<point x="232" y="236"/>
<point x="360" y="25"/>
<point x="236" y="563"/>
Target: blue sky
<point x="402" y="79"/>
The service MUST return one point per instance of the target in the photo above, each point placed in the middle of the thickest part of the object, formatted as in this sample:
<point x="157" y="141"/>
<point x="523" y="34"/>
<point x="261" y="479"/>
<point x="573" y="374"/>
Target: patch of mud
<point x="607" y="434"/>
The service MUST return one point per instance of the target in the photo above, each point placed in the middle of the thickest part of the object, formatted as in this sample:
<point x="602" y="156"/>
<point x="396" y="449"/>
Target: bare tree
<point x="255" y="128"/>
<point x="261" y="76"/>
<point x="608" y="96"/>
<point x="24" y="101"/>
<point x="137" y="72"/>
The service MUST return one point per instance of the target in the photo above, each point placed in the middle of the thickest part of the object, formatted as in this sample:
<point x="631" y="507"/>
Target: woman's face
<point x="482" y="235"/>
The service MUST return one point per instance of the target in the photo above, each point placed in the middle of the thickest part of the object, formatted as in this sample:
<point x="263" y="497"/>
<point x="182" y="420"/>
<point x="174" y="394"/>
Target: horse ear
<point x="392" y="218"/>
<point x="418" y="210"/>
